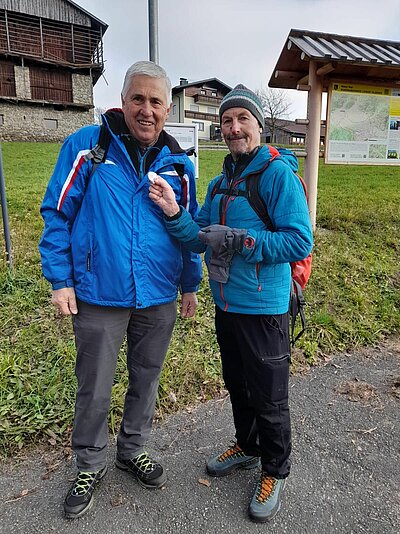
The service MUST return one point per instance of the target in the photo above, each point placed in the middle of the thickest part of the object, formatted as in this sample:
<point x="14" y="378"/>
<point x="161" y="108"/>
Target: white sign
<point x="187" y="137"/>
<point x="363" y="125"/>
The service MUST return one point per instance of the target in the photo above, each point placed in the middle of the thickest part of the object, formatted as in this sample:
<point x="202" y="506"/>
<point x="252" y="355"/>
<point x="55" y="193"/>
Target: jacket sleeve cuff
<point x="249" y="243"/>
<point x="190" y="289"/>
<point x="62" y="284"/>
<point x="174" y="217"/>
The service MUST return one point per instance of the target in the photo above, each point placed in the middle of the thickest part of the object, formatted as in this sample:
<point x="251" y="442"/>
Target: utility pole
<point x="153" y="31"/>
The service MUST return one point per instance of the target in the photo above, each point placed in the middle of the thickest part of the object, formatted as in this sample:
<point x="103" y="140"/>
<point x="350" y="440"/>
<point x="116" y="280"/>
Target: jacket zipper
<point x="223" y="210"/>
<point x="258" y="265"/>
<point x="88" y="261"/>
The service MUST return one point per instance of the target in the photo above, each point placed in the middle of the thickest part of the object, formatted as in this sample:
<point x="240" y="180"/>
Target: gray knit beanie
<point x="241" y="97"/>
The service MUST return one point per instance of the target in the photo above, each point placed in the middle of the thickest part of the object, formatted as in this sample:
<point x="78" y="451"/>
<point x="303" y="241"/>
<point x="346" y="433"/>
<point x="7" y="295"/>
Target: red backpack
<point x="301" y="270"/>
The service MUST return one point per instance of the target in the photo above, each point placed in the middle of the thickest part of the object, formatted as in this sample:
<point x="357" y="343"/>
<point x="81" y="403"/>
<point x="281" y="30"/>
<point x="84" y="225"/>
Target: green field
<point x="353" y="297"/>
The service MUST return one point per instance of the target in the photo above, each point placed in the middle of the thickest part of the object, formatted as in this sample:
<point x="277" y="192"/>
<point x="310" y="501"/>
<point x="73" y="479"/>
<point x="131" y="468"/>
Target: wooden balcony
<point x="205" y="99"/>
<point x="50" y="41"/>
<point x="197" y="115"/>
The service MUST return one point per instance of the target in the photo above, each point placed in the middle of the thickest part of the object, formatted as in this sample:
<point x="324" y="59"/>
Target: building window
<point x="50" y="85"/>
<point x="213" y="93"/>
<point x="202" y="92"/>
<point x="1" y="120"/>
<point x="194" y="107"/>
<point x="200" y="125"/>
<point x="7" y="79"/>
<point x="51" y="124"/>
<point x="213" y="111"/>
<point x="174" y="109"/>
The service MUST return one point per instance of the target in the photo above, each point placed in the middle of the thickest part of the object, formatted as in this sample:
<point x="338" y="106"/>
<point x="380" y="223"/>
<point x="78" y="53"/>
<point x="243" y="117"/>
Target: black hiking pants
<point x="255" y="353"/>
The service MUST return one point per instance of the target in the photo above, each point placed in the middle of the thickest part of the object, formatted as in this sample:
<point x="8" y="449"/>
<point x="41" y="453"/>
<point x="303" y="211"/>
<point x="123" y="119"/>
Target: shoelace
<point x="83" y="483"/>
<point x="234" y="450"/>
<point x="266" y="487"/>
<point x="144" y="463"/>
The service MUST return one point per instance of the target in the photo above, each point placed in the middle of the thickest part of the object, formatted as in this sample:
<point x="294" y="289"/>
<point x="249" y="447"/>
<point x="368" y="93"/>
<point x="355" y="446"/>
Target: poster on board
<point x="187" y="137"/>
<point x="363" y="125"/>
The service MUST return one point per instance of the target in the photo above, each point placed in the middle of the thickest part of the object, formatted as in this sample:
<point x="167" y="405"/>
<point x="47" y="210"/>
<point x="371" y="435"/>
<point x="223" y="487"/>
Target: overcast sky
<point x="236" y="41"/>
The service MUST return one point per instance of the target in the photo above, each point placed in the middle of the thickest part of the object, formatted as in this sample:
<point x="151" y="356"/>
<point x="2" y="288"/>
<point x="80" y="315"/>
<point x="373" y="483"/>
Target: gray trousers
<point x="99" y="333"/>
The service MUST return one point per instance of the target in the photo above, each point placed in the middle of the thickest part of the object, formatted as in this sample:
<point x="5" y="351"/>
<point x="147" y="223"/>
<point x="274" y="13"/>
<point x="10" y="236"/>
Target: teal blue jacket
<point x="260" y="276"/>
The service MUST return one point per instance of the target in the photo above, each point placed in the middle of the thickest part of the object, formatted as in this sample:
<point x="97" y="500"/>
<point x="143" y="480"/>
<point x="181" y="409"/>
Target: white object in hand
<point x="152" y="176"/>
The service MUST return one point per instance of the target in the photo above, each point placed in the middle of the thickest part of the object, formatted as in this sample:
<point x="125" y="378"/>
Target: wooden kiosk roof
<point x="338" y="57"/>
<point x="311" y="61"/>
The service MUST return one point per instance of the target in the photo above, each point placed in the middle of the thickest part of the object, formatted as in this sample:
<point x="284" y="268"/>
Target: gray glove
<point x="220" y="237"/>
<point x="224" y="242"/>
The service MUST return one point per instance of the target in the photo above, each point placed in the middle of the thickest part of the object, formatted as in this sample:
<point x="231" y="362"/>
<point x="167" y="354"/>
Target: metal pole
<point x="5" y="214"/>
<point x="153" y="30"/>
<point x="313" y="140"/>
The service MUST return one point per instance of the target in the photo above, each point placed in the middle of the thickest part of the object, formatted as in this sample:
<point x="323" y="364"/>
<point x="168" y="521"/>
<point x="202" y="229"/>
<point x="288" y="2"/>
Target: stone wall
<point x="22" y="82"/>
<point x="28" y="122"/>
<point x="82" y="89"/>
<point x="23" y="121"/>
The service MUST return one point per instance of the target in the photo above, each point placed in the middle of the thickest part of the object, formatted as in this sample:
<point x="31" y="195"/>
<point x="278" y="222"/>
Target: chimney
<point x="183" y="81"/>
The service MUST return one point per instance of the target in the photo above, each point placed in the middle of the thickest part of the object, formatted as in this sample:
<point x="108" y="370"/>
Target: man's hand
<point x="188" y="304"/>
<point x="65" y="301"/>
<point x="162" y="194"/>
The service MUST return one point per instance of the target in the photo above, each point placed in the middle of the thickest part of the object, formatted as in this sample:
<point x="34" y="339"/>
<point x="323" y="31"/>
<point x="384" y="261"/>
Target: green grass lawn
<point x="353" y="296"/>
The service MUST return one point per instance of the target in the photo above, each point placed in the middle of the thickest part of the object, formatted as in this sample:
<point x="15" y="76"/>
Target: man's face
<point x="240" y="130"/>
<point x="145" y="108"/>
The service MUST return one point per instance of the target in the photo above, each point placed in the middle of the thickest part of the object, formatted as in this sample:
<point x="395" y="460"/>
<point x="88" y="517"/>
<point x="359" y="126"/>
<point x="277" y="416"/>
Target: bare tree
<point x="276" y="106"/>
<point x="97" y="114"/>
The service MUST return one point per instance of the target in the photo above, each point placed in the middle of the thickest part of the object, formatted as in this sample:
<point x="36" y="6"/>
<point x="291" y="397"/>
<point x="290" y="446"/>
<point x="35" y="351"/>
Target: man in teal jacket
<point x="250" y="278"/>
<point x="114" y="268"/>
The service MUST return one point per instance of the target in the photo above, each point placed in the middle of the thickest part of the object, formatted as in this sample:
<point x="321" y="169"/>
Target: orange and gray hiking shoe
<point x="266" y="500"/>
<point x="230" y="460"/>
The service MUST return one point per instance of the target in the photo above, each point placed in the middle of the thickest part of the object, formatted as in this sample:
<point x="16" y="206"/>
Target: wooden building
<point x="51" y="55"/>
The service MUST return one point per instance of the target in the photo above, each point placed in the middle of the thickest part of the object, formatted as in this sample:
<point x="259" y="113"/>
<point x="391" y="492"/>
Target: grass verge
<point x="353" y="297"/>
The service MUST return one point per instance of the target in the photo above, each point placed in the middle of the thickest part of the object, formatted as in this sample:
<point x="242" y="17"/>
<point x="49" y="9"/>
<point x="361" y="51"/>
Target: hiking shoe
<point x="266" y="500"/>
<point x="79" y="498"/>
<point x="230" y="460"/>
<point x="148" y="473"/>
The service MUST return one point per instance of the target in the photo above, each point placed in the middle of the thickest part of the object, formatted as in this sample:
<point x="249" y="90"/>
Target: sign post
<point x="4" y="211"/>
<point x="187" y="137"/>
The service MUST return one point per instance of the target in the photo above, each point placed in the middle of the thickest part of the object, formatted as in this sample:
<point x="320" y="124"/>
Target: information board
<point x="187" y="137"/>
<point x="363" y="124"/>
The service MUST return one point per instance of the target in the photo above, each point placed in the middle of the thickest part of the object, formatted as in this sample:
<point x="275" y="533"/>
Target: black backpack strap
<point x="255" y="199"/>
<point x="296" y="307"/>
<point x="180" y="169"/>
<point x="191" y="151"/>
<point x="98" y="154"/>
<point x="217" y="188"/>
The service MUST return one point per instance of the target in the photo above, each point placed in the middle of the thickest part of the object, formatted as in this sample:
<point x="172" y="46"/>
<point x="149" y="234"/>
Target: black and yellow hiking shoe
<point x="149" y="474"/>
<point x="266" y="500"/>
<point x="79" y="498"/>
<point x="230" y="460"/>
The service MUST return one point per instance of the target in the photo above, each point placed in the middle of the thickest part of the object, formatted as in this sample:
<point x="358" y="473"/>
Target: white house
<point x="198" y="103"/>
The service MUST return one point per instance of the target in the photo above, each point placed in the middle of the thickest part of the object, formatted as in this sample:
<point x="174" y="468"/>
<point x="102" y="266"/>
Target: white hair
<point x="147" y="68"/>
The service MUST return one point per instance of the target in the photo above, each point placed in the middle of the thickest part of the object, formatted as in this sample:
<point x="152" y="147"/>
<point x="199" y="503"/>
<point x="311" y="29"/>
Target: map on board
<point x="363" y="124"/>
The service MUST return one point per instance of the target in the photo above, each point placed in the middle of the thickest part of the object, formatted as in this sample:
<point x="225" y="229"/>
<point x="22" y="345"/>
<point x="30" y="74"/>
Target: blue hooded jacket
<point x="260" y="276"/>
<point x="105" y="237"/>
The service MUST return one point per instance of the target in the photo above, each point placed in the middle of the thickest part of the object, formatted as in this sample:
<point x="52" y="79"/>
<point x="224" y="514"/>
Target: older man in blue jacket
<point x="250" y="278"/>
<point x="114" y="268"/>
